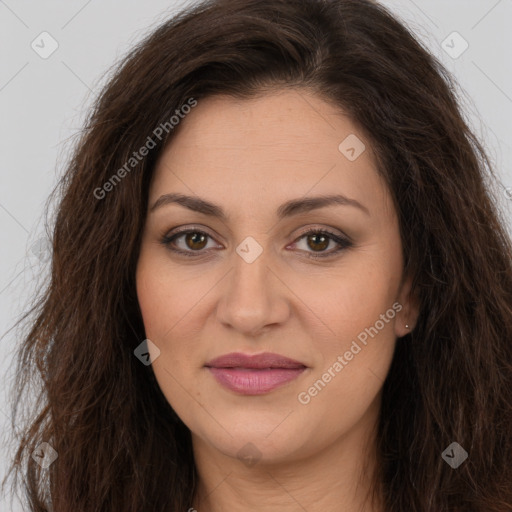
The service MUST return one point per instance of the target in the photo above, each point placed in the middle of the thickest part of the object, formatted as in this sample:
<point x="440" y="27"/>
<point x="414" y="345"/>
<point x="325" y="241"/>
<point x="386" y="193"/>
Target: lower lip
<point x="249" y="381"/>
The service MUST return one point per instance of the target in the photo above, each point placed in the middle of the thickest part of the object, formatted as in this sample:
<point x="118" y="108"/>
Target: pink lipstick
<point x="256" y="374"/>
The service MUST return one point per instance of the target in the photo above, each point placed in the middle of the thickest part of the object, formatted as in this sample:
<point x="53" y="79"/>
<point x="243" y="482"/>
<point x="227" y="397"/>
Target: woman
<point x="279" y="281"/>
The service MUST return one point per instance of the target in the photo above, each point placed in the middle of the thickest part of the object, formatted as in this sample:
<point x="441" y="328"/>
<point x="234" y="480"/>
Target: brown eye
<point x="318" y="241"/>
<point x="191" y="242"/>
<point x="195" y="240"/>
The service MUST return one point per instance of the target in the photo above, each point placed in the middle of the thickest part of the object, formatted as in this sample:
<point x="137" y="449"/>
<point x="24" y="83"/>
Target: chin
<point x="255" y="439"/>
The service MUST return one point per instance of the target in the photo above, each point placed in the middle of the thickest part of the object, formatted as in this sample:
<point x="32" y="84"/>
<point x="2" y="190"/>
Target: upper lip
<point x="258" y="361"/>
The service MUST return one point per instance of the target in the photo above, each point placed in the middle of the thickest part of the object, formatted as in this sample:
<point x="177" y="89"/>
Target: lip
<point x="254" y="374"/>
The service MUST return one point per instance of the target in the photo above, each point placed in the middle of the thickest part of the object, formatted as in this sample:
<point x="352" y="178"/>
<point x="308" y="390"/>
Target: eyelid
<point x="324" y="229"/>
<point x="187" y="228"/>
<point x="303" y="231"/>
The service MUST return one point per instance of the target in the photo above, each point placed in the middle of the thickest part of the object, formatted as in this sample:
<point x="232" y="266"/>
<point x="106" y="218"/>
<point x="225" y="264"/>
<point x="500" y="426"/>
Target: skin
<point x="249" y="157"/>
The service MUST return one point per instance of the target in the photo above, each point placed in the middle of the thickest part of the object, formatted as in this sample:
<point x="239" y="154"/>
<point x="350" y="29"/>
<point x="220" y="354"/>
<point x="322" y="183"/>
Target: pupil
<point x="195" y="238"/>
<point x="324" y="241"/>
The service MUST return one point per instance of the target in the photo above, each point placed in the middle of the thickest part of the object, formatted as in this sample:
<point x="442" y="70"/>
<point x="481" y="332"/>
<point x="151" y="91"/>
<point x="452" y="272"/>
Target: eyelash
<point x="344" y="243"/>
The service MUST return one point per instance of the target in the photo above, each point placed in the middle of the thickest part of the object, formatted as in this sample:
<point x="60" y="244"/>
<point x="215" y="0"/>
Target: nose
<point x="254" y="297"/>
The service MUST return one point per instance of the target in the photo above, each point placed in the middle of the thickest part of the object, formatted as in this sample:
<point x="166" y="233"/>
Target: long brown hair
<point x="120" y="445"/>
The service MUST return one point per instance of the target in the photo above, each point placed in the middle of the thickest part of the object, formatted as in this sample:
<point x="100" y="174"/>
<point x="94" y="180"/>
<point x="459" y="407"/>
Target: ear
<point x="408" y="315"/>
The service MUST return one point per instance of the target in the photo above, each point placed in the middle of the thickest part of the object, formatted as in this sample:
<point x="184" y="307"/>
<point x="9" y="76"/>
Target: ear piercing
<point x="407" y="326"/>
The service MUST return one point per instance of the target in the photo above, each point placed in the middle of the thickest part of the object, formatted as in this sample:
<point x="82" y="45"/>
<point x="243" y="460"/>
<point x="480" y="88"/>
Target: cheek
<point x="169" y="305"/>
<point x="369" y="289"/>
<point x="352" y="367"/>
<point x="360" y="311"/>
<point x="353" y="299"/>
<point x="159" y="312"/>
<point x="165" y="297"/>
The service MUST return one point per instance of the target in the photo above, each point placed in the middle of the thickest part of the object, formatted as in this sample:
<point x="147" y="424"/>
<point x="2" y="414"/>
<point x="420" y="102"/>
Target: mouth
<point x="256" y="374"/>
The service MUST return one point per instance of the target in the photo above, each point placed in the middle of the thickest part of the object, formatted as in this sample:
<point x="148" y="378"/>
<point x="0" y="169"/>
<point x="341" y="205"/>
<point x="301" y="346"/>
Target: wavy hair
<point x="120" y="445"/>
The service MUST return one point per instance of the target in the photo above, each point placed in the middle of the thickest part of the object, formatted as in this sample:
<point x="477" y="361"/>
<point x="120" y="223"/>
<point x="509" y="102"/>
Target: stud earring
<point x="407" y="326"/>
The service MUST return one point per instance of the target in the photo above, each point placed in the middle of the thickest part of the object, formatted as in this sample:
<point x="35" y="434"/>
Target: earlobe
<point x="408" y="316"/>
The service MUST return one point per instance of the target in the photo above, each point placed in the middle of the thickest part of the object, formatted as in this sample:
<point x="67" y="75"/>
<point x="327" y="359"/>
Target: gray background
<point x="43" y="103"/>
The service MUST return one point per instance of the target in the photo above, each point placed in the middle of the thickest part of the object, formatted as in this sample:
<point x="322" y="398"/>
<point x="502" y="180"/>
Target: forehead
<point x="274" y="146"/>
<point x="287" y="122"/>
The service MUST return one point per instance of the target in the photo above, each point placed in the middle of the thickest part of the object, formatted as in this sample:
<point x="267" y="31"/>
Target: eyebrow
<point x="288" y="209"/>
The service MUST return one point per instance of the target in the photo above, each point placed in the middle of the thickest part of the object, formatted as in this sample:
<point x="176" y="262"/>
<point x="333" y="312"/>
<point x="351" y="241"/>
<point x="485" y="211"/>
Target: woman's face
<point x="249" y="279"/>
